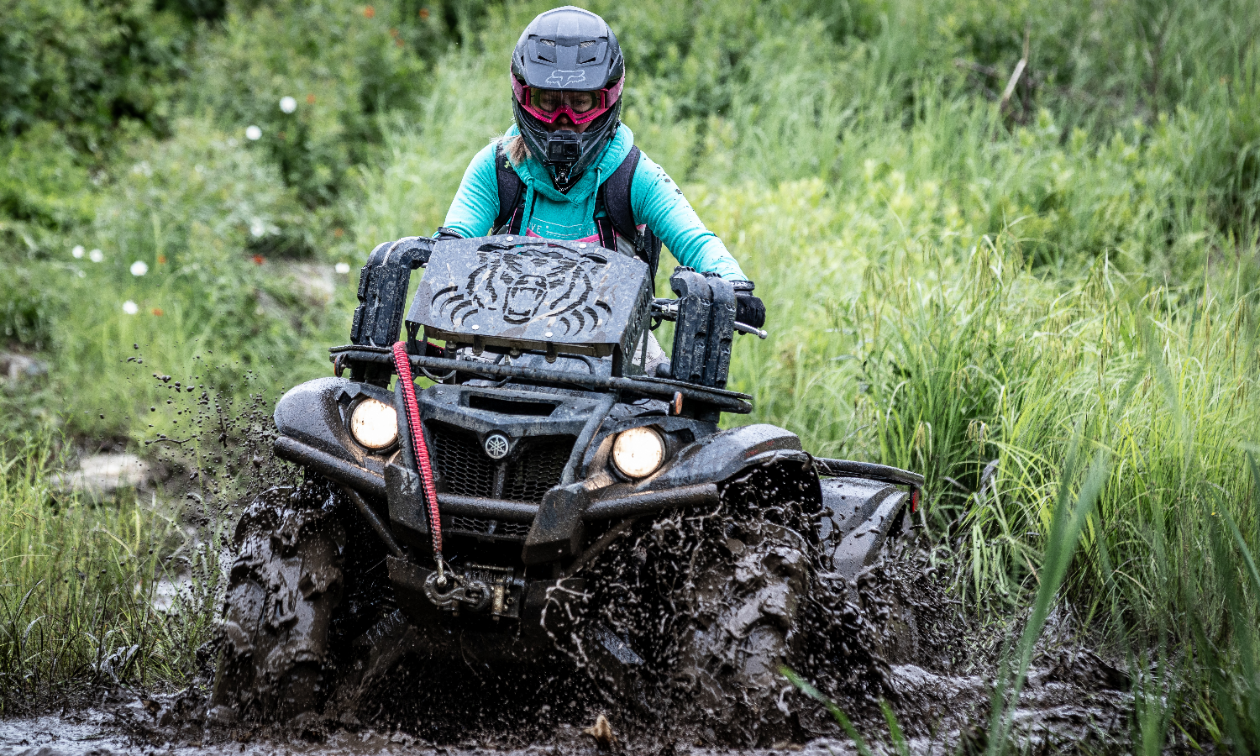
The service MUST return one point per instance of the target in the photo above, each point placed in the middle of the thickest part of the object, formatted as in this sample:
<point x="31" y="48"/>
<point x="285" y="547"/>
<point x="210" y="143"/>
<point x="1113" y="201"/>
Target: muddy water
<point x="940" y="713"/>
<point x="940" y="693"/>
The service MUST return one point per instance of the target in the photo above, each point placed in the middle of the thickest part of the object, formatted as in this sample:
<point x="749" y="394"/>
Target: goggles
<point x="547" y="105"/>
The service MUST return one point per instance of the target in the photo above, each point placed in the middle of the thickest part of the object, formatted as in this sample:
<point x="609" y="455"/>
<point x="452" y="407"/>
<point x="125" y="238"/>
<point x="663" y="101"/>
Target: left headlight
<point x="374" y="424"/>
<point x="638" y="452"/>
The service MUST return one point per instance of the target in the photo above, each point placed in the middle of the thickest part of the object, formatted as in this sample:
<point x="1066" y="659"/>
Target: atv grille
<point x="537" y="470"/>
<point x="464" y="467"/>
<point x="534" y="467"/>
<point x="479" y="526"/>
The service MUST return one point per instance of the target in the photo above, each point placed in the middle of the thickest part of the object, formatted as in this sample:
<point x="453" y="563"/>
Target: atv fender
<point x="313" y="432"/>
<point x="691" y="478"/>
<point x="721" y="456"/>
<point x="859" y="516"/>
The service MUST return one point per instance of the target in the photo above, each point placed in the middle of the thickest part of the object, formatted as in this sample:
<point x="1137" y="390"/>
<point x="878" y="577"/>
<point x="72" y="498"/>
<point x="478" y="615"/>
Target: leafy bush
<point x="87" y="67"/>
<point x="343" y="63"/>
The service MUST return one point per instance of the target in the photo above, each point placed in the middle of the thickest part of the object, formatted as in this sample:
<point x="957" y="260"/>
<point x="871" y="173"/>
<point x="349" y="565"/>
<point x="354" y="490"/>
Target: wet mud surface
<point x="942" y="715"/>
<point x="740" y="586"/>
<point x="1073" y="702"/>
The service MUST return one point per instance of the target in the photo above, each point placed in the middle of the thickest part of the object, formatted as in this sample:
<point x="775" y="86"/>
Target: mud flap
<point x="620" y="667"/>
<point x="375" y="653"/>
<point x="859" y="516"/>
<point x="862" y="518"/>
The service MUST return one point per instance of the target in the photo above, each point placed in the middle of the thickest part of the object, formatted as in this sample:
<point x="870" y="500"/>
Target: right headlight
<point x="638" y="452"/>
<point x="374" y="424"/>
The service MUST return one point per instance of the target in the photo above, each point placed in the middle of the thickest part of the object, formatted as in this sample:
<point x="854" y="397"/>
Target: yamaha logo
<point x="496" y="446"/>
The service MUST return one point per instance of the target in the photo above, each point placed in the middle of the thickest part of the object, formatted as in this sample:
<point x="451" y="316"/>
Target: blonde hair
<point x="516" y="149"/>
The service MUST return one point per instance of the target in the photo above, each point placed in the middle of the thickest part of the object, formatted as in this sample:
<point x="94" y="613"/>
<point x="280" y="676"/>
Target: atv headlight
<point x="638" y="452"/>
<point x="374" y="424"/>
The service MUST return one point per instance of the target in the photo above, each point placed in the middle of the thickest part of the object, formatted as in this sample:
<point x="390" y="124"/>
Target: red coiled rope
<point x="403" y="366"/>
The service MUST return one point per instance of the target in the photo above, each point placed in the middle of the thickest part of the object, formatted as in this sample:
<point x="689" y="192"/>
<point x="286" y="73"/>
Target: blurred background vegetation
<point x="966" y="267"/>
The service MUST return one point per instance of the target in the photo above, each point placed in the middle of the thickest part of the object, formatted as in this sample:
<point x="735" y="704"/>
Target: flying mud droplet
<point x="601" y="732"/>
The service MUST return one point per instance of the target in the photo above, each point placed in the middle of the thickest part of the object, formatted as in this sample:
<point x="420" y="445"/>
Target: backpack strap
<point x="617" y="196"/>
<point x="511" y="194"/>
<point x="614" y="200"/>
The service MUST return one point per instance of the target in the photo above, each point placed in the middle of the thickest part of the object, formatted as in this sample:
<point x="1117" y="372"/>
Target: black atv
<point x="553" y="491"/>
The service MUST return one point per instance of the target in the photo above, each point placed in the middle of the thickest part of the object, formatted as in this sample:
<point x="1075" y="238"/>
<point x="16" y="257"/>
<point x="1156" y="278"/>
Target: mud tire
<point x="715" y="603"/>
<point x="284" y="587"/>
<point x="746" y="632"/>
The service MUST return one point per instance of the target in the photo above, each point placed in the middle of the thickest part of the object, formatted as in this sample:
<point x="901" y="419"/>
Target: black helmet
<point x="567" y="64"/>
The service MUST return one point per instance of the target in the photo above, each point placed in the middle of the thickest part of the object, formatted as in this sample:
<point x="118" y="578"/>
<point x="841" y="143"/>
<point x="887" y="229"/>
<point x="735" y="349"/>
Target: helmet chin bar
<point x="564" y="147"/>
<point x="567" y="154"/>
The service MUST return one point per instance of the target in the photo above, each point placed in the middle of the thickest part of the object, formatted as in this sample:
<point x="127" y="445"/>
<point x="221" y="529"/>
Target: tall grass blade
<point x="894" y="730"/>
<point x="832" y="709"/>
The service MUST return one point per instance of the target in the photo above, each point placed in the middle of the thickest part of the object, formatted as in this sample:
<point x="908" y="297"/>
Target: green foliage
<point x="87" y="66"/>
<point x="43" y="188"/>
<point x="76" y="585"/>
<point x="198" y="211"/>
<point x="977" y="290"/>
<point x="343" y="67"/>
<point x="26" y="310"/>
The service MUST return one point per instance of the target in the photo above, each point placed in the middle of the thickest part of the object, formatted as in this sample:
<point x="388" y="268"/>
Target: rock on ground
<point x="101" y="475"/>
<point x="15" y="367"/>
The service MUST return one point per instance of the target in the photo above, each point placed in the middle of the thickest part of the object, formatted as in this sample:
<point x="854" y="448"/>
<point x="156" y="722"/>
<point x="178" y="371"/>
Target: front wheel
<point x="701" y="610"/>
<point x="284" y="587"/>
<point x="745" y="631"/>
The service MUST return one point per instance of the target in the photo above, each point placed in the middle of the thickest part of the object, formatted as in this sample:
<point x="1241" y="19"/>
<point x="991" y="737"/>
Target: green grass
<point x="991" y="295"/>
<point x="77" y="581"/>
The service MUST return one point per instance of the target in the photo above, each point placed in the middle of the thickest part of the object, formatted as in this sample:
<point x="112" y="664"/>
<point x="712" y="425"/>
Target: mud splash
<point x="940" y="698"/>
<point x="1070" y="706"/>
<point x="893" y="636"/>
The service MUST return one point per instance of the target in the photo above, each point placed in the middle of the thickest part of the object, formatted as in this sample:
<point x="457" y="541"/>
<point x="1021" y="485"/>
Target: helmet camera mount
<point x="564" y="148"/>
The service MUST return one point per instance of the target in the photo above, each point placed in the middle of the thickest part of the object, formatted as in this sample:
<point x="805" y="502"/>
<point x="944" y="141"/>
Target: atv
<point x="549" y="490"/>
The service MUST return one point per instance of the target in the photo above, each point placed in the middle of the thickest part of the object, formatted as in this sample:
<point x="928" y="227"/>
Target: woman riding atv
<point x="569" y="169"/>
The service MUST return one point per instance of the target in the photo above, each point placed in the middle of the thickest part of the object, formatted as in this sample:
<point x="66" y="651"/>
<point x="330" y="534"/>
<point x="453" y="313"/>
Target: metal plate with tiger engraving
<point x="514" y="293"/>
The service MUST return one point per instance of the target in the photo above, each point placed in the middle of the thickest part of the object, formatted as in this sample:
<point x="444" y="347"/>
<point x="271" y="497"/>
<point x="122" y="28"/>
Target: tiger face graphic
<point x="546" y="285"/>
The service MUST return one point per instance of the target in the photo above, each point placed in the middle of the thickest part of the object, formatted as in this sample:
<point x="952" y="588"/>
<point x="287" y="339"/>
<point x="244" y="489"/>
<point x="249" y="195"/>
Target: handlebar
<point x="667" y="309"/>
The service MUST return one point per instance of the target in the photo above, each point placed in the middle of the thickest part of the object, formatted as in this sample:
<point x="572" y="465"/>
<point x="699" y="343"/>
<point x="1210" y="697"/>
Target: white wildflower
<point x="77" y="252"/>
<point x="130" y="307"/>
<point x="139" y="268"/>
<point x="342" y="268"/>
<point x="253" y="133"/>
<point x="96" y="255"/>
<point x="288" y="104"/>
<point x="257" y="228"/>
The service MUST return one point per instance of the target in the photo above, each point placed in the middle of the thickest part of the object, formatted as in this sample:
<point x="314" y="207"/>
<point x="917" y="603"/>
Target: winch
<point x="478" y="588"/>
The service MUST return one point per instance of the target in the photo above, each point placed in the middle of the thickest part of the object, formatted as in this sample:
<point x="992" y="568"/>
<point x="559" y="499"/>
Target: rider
<point x="569" y="169"/>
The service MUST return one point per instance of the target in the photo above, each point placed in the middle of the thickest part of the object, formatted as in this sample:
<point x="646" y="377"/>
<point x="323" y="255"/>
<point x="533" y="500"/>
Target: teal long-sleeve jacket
<point x="654" y="198"/>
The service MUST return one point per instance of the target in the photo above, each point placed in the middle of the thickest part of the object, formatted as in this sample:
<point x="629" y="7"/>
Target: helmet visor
<point x="547" y="105"/>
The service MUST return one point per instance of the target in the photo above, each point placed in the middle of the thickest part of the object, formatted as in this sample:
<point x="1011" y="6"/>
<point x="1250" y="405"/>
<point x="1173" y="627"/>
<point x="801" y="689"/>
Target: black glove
<point x="749" y="309"/>
<point x="446" y="234"/>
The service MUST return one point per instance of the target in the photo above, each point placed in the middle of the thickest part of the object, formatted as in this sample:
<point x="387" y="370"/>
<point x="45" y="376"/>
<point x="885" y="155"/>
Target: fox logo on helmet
<point x="560" y="79"/>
